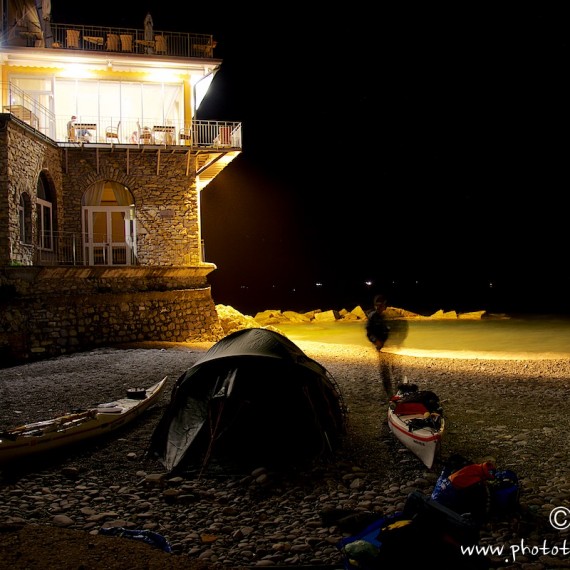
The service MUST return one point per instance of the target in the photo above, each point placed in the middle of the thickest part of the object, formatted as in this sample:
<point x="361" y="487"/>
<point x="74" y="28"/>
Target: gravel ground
<point x="51" y="510"/>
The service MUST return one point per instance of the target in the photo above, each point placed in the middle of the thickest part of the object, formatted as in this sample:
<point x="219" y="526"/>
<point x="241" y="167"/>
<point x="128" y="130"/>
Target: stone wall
<point x="22" y="157"/>
<point x="47" y="312"/>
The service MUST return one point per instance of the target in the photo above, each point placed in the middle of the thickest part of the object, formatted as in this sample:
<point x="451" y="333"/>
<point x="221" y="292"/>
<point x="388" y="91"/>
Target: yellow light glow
<point x="76" y="71"/>
<point x="163" y="76"/>
<point x="201" y="183"/>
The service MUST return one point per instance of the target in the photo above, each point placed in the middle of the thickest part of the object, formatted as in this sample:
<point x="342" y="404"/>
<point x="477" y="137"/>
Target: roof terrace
<point x="112" y="40"/>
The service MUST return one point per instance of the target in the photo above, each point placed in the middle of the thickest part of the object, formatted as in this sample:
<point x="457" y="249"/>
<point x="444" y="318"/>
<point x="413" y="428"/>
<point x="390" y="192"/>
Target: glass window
<point x="105" y="103"/>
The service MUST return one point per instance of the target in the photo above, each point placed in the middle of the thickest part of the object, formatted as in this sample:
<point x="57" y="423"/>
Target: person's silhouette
<point x="379" y="332"/>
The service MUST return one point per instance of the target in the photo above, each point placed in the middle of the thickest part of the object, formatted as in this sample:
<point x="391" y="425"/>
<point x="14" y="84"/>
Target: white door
<point x="108" y="235"/>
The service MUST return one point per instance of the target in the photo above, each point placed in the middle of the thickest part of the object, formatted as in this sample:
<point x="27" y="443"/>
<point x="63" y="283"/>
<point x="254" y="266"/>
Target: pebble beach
<point x="513" y="410"/>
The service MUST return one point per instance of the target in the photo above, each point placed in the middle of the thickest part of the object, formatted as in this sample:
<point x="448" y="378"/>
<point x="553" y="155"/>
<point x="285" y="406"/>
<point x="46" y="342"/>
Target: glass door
<point x="108" y="235"/>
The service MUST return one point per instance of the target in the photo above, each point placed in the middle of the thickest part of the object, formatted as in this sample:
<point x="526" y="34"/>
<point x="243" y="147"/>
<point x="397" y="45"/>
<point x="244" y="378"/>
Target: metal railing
<point x="58" y="248"/>
<point x="21" y="105"/>
<point x="115" y="130"/>
<point x="114" y="40"/>
<point x="68" y="248"/>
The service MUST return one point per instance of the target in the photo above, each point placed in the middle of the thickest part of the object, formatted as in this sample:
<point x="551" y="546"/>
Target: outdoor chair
<point x="112" y="133"/>
<point x="72" y="38"/>
<point x="160" y="44"/>
<point x="112" y="42"/>
<point x="126" y="42"/>
<point x="185" y="136"/>
<point x="144" y="134"/>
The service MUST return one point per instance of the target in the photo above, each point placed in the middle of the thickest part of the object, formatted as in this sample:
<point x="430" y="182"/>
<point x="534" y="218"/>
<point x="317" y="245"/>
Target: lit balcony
<point x="119" y="131"/>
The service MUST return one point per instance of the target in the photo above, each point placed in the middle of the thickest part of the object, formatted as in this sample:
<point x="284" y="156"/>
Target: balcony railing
<point x="114" y="130"/>
<point x="21" y="105"/>
<point x="88" y="129"/>
<point x="114" y="40"/>
<point x="68" y="248"/>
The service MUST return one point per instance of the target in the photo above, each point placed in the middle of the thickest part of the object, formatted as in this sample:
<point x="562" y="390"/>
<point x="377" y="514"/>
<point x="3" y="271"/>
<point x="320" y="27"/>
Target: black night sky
<point x="422" y="149"/>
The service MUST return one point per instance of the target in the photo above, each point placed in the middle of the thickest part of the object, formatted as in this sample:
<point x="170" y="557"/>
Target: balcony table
<point x="91" y="127"/>
<point x="94" y="40"/>
<point x="146" y="46"/>
<point x="166" y="134"/>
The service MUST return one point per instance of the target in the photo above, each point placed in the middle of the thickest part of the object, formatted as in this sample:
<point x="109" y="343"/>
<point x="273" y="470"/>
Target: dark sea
<point x="521" y="296"/>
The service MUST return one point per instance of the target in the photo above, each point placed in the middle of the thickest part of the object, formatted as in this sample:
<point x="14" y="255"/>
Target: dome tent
<point x="255" y="398"/>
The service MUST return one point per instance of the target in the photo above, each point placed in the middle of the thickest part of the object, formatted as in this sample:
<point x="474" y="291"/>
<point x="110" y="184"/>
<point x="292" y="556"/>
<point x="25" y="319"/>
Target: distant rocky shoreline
<point x="232" y="320"/>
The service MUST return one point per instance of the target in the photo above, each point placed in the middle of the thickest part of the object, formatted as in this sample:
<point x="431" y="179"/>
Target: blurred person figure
<point x="378" y="332"/>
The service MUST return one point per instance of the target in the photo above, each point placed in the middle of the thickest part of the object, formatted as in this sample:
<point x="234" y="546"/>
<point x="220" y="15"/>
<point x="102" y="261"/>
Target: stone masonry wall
<point x="47" y="312"/>
<point x="22" y="158"/>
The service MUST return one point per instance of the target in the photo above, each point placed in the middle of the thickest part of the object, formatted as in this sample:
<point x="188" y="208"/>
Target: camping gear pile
<point x="253" y="399"/>
<point x="465" y="496"/>
<point x="425" y="530"/>
<point x="478" y="490"/>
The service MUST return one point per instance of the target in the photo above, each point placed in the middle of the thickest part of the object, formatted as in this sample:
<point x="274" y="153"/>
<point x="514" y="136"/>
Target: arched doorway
<point x="108" y="224"/>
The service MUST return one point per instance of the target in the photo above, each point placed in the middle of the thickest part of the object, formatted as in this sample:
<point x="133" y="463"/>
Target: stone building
<point x="101" y="167"/>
